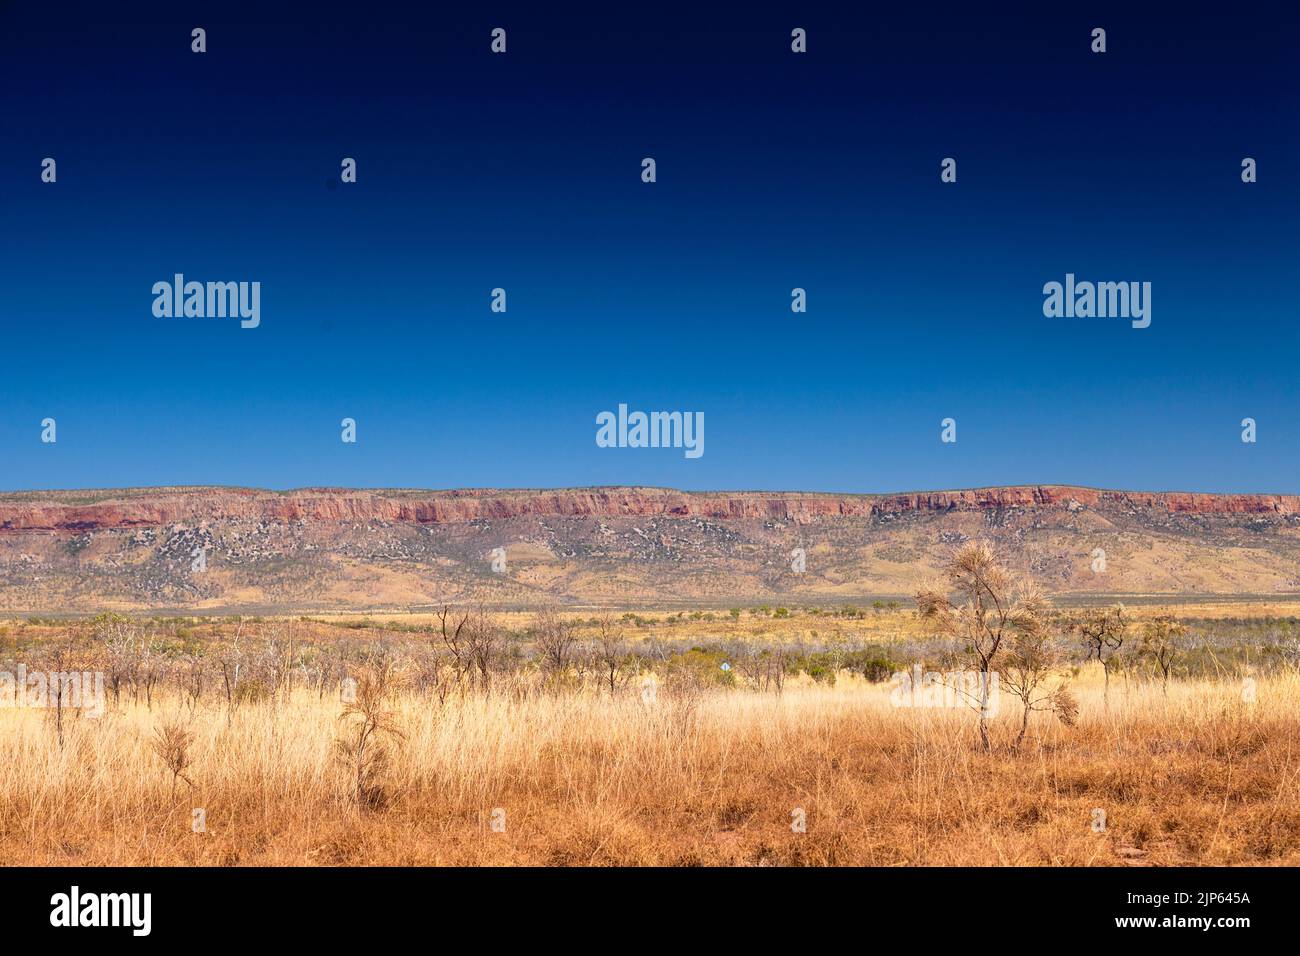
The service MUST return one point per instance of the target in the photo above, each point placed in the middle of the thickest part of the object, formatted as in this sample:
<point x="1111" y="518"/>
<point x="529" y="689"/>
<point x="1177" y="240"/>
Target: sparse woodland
<point x="479" y="737"/>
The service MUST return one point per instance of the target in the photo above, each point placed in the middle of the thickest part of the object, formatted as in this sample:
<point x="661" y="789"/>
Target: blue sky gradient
<point x="774" y="171"/>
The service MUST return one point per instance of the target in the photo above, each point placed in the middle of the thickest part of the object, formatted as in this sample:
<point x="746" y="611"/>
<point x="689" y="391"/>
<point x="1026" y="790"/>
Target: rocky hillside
<point x="313" y="549"/>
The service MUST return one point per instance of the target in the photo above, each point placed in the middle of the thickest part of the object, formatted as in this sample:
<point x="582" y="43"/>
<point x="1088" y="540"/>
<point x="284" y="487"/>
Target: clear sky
<point x="523" y="171"/>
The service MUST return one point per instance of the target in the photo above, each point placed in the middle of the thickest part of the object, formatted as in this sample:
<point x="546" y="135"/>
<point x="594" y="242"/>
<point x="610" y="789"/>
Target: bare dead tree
<point x="554" y="639"/>
<point x="429" y="666"/>
<point x="117" y="635"/>
<point x="230" y="661"/>
<point x="456" y="642"/>
<point x="172" y="742"/>
<point x="150" y="669"/>
<point x="330" y="669"/>
<point x="58" y="659"/>
<point x="1160" y="644"/>
<point x="748" y="664"/>
<point x="774" y="666"/>
<point x="272" y="663"/>
<point x="484" y="639"/>
<point x="195" y="668"/>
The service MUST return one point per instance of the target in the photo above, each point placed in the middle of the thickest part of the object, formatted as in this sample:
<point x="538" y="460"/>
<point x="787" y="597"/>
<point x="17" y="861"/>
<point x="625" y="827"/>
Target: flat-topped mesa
<point x="88" y="511"/>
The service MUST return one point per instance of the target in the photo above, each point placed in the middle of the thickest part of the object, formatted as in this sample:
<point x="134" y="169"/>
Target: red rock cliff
<point x="71" y="511"/>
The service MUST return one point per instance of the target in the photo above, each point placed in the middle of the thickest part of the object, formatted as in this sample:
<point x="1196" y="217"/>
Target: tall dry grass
<point x="1195" y="777"/>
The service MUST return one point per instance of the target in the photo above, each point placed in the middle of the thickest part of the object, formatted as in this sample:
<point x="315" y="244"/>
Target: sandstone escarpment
<point x="70" y="511"/>
<point x="209" y="549"/>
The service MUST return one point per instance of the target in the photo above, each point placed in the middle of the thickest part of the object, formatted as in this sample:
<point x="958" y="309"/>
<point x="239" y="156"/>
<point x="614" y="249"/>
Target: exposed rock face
<point x="220" y="549"/>
<point x="162" y="507"/>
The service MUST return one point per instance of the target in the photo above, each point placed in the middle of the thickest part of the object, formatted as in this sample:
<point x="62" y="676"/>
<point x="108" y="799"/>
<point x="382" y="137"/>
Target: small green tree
<point x="1033" y="672"/>
<point x="980" y="607"/>
<point x="367" y="726"/>
<point x="1102" y="632"/>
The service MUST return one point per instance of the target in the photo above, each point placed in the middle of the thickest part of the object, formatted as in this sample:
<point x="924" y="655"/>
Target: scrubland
<point x="390" y="758"/>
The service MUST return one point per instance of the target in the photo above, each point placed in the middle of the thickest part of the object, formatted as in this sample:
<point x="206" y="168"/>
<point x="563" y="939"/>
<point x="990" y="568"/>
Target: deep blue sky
<point x="523" y="171"/>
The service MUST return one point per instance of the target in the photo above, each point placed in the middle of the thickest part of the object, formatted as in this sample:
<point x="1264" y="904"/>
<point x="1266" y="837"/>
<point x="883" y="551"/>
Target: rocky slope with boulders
<point x="320" y="548"/>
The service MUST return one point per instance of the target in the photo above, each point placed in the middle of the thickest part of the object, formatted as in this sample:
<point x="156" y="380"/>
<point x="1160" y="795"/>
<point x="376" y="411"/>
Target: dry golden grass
<point x="1199" y="777"/>
<point x="880" y="626"/>
<point x="877" y="625"/>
